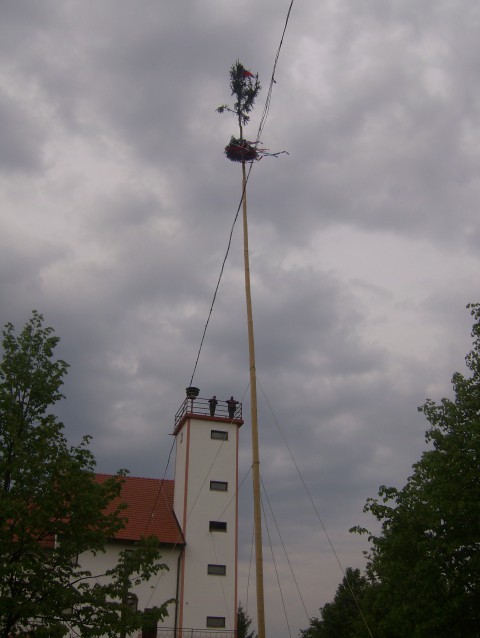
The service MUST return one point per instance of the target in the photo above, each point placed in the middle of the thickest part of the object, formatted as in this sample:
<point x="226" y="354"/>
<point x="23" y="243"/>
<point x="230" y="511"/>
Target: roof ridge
<point x="130" y="476"/>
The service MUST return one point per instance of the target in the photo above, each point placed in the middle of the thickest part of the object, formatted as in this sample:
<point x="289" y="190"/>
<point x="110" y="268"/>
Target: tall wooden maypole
<point x="245" y="86"/>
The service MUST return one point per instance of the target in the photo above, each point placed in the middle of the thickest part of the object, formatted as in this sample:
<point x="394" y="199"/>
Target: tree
<point x="245" y="86"/>
<point x="342" y="617"/>
<point x="426" y="560"/>
<point x="52" y="509"/>
<point x="243" y="624"/>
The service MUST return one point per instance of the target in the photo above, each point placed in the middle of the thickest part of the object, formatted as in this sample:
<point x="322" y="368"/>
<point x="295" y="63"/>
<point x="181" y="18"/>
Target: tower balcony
<point x="199" y="408"/>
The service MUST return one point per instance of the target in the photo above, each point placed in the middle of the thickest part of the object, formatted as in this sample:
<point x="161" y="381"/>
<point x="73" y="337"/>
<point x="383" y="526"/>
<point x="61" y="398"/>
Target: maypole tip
<point x="245" y="86"/>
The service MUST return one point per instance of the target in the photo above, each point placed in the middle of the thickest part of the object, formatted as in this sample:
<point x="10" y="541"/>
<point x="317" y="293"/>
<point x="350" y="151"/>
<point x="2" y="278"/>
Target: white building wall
<point x="154" y="592"/>
<point x="209" y="459"/>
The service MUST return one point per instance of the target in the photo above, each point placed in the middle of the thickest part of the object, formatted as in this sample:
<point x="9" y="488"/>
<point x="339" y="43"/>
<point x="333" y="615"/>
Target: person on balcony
<point x="232" y="406"/>
<point x="213" y="405"/>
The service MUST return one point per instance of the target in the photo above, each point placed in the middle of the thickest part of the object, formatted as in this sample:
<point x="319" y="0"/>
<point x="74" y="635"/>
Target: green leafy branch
<point x="245" y="86"/>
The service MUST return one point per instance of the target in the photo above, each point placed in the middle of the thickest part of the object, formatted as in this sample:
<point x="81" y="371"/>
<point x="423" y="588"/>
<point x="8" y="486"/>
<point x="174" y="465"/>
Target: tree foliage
<point x="243" y="624"/>
<point x="426" y="560"/>
<point x="245" y="86"/>
<point x="52" y="509"/>
<point x="423" y="571"/>
<point x="342" y="617"/>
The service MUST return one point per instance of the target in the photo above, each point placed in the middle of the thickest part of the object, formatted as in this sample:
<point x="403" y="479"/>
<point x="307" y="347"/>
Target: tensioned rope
<point x="266" y="108"/>
<point x="284" y="549"/>
<point x="224" y="595"/>
<point x="160" y="491"/>
<point x="317" y="513"/>
<point x="276" y="569"/>
<point x="250" y="563"/>
<point x="271" y="549"/>
<point x="227" y="506"/>
<point x="263" y="120"/>
<point x="220" y="277"/>
<point x="154" y="588"/>
<point x="260" y="129"/>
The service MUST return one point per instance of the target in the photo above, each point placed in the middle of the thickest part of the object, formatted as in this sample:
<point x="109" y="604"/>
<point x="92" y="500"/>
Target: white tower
<point x="206" y="506"/>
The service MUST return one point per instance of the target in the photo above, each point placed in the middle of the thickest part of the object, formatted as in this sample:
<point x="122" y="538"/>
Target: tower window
<point x="219" y="486"/>
<point x="217" y="570"/>
<point x="220" y="435"/>
<point x="216" y="621"/>
<point x="217" y="526"/>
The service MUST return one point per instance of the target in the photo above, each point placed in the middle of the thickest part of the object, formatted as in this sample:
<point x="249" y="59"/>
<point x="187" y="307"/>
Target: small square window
<point x="216" y="621"/>
<point x="219" y="486"/>
<point x="217" y="526"/>
<point x="217" y="570"/>
<point x="220" y="435"/>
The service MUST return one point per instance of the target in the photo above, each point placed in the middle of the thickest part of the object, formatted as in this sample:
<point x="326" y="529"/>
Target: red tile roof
<point x="149" y="510"/>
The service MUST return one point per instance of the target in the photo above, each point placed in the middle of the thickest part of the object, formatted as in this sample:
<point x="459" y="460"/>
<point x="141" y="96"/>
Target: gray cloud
<point x="117" y="204"/>
<point x="22" y="139"/>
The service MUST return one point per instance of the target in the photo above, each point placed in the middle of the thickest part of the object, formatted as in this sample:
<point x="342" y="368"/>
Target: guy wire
<point x="263" y="119"/>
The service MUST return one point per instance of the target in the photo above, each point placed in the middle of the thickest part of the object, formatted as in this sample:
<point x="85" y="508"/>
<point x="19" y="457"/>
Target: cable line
<point x="160" y="490"/>
<point x="224" y="595"/>
<point x="285" y="550"/>
<point x="266" y="108"/>
<point x="229" y="244"/>
<point x="275" y="568"/>
<point x="263" y="119"/>
<point x="227" y="506"/>
<point x="250" y="564"/>
<point x="317" y="513"/>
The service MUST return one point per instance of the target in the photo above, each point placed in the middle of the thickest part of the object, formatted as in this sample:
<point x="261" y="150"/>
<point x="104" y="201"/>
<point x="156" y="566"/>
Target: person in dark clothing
<point x="213" y="405"/>
<point x="232" y="406"/>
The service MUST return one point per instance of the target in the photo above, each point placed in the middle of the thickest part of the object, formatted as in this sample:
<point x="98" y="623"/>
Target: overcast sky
<point x="116" y="205"/>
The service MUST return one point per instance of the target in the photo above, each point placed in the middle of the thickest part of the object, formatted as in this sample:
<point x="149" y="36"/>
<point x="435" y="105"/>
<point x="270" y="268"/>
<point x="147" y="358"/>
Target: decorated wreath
<point x="240" y="150"/>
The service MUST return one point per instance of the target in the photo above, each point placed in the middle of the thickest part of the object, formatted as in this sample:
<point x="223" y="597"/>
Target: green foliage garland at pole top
<point x="245" y="86"/>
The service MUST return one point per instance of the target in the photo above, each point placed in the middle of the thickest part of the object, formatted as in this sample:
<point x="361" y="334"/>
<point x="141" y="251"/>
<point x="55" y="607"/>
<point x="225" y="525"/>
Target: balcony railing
<point x="201" y="407"/>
